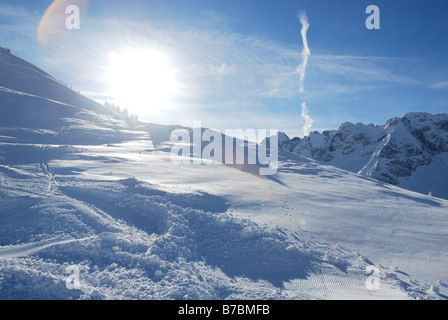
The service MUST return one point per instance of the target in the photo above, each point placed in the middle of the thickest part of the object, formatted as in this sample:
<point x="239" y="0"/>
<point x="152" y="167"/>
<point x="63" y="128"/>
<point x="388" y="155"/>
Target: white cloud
<point x="440" y="86"/>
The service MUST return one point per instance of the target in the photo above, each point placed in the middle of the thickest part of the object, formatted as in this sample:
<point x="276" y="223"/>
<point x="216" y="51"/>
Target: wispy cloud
<point x="363" y="69"/>
<point x="213" y="19"/>
<point x="18" y="27"/>
<point x="14" y="11"/>
<point x="223" y="69"/>
<point x="440" y="85"/>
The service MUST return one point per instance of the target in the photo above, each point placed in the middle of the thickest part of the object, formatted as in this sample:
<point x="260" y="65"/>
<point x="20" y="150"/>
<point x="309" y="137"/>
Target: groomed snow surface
<point x="135" y="226"/>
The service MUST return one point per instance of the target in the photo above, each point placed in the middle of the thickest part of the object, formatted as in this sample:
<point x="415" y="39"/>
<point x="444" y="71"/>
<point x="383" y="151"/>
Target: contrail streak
<point x="306" y="50"/>
<point x="306" y="53"/>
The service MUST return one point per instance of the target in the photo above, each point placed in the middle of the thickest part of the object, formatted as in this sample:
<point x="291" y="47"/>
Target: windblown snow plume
<point x="308" y="120"/>
<point x="306" y="53"/>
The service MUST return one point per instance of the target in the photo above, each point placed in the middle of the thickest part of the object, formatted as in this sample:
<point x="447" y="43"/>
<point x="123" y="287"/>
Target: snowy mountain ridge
<point x="410" y="152"/>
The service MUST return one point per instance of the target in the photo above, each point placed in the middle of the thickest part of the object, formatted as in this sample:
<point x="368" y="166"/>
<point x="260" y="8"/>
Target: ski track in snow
<point x="33" y="248"/>
<point x="10" y="91"/>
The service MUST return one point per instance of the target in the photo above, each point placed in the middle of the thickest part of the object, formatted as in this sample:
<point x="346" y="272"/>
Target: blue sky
<point x="235" y="62"/>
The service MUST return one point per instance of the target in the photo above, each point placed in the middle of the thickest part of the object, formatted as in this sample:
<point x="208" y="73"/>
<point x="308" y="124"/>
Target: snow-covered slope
<point x="139" y="227"/>
<point x="410" y="152"/>
<point x="120" y="220"/>
<point x="35" y="107"/>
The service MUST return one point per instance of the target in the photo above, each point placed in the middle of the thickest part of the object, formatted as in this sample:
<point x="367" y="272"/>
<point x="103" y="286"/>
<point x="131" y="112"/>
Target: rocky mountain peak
<point x="400" y="152"/>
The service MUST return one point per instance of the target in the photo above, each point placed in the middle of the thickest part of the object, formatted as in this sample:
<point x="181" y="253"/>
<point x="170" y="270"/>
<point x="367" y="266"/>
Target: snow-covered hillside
<point x="83" y="219"/>
<point x="35" y="107"/>
<point x="411" y="152"/>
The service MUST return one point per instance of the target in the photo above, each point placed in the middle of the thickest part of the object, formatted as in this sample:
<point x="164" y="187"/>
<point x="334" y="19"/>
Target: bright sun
<point x="141" y="81"/>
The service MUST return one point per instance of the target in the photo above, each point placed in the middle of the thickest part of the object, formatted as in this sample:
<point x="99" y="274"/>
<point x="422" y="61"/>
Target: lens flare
<point x="52" y="28"/>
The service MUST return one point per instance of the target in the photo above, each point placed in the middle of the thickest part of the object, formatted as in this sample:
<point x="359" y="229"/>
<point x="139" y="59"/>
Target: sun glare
<point x="141" y="81"/>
